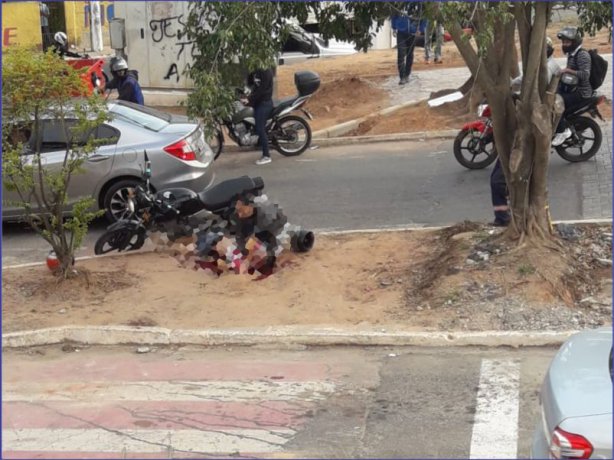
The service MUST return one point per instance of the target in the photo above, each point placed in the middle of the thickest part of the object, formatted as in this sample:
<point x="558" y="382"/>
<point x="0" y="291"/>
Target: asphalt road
<point x="367" y="186"/>
<point x="337" y="402"/>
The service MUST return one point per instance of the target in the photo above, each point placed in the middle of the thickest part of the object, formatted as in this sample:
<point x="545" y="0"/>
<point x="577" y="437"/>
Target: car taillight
<point x="182" y="150"/>
<point x="566" y="445"/>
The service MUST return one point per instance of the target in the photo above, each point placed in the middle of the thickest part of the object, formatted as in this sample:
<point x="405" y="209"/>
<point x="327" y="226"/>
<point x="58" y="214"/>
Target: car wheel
<point x="116" y="199"/>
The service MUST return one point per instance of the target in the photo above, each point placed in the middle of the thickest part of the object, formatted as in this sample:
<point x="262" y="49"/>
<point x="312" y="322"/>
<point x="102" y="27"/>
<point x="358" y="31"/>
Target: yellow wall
<point x="21" y="24"/>
<point x="77" y="29"/>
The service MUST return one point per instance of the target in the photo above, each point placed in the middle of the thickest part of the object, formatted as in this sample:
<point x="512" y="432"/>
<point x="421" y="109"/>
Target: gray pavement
<point x="341" y="402"/>
<point x="380" y="185"/>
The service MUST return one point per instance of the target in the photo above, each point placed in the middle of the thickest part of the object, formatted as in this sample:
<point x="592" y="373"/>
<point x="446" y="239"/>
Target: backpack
<point x="599" y="68"/>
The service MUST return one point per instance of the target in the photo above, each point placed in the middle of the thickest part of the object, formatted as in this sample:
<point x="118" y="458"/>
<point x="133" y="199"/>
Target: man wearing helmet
<point x="60" y="46"/>
<point x="579" y="67"/>
<point x="125" y="81"/>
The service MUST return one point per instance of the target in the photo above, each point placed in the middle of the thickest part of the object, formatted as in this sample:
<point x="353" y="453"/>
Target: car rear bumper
<point x="194" y="177"/>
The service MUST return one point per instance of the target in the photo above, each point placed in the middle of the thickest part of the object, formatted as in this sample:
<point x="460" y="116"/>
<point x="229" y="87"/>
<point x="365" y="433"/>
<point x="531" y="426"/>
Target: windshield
<point x="145" y="117"/>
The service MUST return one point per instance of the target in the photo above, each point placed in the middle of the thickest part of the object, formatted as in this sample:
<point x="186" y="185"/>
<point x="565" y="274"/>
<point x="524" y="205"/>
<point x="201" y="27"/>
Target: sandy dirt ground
<point x="420" y="280"/>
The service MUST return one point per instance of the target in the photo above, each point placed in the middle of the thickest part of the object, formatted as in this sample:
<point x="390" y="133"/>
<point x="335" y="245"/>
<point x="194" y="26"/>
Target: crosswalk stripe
<point x="145" y="441"/>
<point x="168" y="391"/>
<point x="495" y="429"/>
<point x="176" y="415"/>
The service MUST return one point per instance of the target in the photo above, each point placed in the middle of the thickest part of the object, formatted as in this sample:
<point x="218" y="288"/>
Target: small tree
<point x="38" y="87"/>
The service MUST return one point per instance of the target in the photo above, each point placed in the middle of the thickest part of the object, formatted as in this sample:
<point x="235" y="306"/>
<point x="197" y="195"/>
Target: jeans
<point x="572" y="102"/>
<point x="498" y="191"/>
<point x="405" y="53"/>
<point x="262" y="112"/>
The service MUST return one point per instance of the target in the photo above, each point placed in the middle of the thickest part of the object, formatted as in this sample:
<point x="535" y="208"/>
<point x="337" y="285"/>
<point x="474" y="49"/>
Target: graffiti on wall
<point x="170" y="30"/>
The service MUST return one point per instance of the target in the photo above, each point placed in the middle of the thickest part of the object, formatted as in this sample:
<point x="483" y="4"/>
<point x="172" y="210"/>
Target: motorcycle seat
<point x="282" y="104"/>
<point x="585" y="105"/>
<point x="221" y="195"/>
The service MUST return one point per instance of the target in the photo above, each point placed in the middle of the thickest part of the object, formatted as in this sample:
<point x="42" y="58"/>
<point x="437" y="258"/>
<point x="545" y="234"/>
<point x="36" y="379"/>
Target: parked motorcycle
<point x="474" y="146"/>
<point x="289" y="134"/>
<point x="181" y="212"/>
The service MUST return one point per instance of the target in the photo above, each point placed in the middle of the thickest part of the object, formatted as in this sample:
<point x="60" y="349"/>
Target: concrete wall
<point x="154" y="43"/>
<point x="77" y="16"/>
<point x="21" y="24"/>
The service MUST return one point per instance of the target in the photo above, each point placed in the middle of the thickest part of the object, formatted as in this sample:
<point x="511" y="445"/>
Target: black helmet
<point x="572" y="34"/>
<point x="118" y="63"/>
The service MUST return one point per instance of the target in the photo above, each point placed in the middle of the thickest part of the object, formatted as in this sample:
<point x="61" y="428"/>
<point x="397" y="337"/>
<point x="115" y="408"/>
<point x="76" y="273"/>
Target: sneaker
<point x="402" y="81"/>
<point x="438" y="61"/>
<point x="561" y="137"/>
<point x="263" y="161"/>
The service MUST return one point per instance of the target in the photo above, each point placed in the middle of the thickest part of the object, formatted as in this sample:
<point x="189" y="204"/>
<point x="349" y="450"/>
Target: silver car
<point x="177" y="149"/>
<point x="576" y="400"/>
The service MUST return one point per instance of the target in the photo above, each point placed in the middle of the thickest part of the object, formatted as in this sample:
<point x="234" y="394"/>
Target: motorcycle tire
<point x="581" y="125"/>
<point x="471" y="164"/>
<point x="303" y="241"/>
<point x="114" y="240"/>
<point x="279" y="130"/>
<point x="218" y="146"/>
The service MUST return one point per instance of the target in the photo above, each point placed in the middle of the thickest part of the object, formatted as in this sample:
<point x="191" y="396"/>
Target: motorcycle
<point x="474" y="146"/>
<point x="289" y="134"/>
<point x="182" y="212"/>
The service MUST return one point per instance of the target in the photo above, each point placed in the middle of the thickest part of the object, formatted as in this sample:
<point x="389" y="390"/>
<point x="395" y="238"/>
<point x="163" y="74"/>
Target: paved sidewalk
<point x="597" y="183"/>
<point x="424" y="82"/>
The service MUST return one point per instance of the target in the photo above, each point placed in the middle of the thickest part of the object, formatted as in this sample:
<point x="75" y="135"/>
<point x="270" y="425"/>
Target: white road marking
<point x="144" y="441"/>
<point x="495" y="428"/>
<point x="168" y="391"/>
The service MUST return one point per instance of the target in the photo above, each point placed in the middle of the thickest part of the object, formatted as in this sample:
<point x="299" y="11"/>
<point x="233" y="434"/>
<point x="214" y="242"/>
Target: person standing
<point x="125" y="81"/>
<point x="46" y="34"/>
<point x="436" y="28"/>
<point x="406" y="27"/>
<point x="261" y="99"/>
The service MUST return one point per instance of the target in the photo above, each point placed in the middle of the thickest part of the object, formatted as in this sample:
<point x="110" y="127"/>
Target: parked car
<point x="175" y="145"/>
<point x="576" y="400"/>
<point x="301" y="45"/>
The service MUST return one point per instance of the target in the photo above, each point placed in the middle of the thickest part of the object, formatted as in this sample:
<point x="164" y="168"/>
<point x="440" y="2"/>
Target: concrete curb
<point x="283" y="335"/>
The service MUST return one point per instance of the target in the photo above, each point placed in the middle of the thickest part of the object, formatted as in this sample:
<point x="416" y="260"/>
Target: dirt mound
<point x="416" y="118"/>
<point x="346" y="99"/>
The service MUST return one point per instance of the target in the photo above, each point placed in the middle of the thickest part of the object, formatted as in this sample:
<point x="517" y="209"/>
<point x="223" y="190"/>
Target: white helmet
<point x="61" y="38"/>
<point x="118" y="63"/>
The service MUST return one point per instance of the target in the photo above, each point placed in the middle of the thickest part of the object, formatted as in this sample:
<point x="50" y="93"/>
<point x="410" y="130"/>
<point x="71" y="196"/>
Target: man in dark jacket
<point x="406" y="28"/>
<point x="261" y="99"/>
<point x="125" y="81"/>
<point x="578" y="65"/>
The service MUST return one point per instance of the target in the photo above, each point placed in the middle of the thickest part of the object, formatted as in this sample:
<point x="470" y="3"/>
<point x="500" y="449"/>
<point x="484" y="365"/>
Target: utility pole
<point x="96" y="26"/>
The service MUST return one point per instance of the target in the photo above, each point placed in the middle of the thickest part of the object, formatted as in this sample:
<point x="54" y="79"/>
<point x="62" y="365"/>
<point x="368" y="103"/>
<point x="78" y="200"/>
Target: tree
<point x="35" y="87"/>
<point x="251" y="33"/>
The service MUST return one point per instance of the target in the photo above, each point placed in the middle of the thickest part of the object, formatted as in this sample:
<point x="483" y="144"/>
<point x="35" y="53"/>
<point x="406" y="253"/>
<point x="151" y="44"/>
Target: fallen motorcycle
<point x="181" y="212"/>
<point x="289" y="134"/>
<point x="474" y="146"/>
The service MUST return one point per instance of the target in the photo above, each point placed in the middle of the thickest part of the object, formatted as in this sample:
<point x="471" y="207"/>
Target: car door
<point x="53" y="151"/>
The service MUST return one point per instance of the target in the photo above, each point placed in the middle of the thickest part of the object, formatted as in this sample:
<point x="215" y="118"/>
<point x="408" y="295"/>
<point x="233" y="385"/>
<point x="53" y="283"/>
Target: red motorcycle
<point x="474" y="146"/>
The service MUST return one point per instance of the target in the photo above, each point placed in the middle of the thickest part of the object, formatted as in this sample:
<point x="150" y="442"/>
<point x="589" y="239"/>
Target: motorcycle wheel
<point x="110" y="241"/>
<point x="573" y="150"/>
<point x="287" y="138"/>
<point x="467" y="150"/>
<point x="217" y="143"/>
